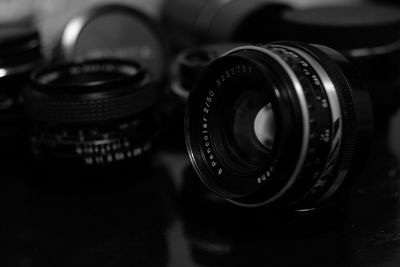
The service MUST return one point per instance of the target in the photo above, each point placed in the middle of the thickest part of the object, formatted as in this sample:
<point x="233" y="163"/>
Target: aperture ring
<point x="351" y="123"/>
<point x="93" y="152"/>
<point x="325" y="119"/>
<point x="334" y="131"/>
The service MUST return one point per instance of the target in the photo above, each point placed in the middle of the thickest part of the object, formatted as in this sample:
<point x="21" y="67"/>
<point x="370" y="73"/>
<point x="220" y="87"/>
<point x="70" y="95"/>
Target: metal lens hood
<point x="287" y="123"/>
<point x="93" y="112"/>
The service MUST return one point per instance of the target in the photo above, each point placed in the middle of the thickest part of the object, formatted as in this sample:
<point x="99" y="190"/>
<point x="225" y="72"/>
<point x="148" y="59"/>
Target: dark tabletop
<point x="156" y="213"/>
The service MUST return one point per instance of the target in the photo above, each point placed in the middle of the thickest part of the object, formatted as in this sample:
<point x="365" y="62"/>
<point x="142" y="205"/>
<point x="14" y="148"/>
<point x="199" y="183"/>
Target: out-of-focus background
<point x="51" y="15"/>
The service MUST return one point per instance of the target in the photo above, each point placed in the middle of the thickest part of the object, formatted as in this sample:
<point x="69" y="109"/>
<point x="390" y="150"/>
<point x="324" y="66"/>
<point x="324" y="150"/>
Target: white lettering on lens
<point x="232" y="72"/>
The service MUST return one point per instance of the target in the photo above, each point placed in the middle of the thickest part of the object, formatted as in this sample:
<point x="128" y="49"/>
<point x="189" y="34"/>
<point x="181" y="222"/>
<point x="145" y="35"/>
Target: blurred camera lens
<point x="191" y="62"/>
<point x="93" y="113"/>
<point x="185" y="69"/>
<point x="115" y="31"/>
<point x="19" y="53"/>
<point x="287" y="123"/>
<point x="194" y="22"/>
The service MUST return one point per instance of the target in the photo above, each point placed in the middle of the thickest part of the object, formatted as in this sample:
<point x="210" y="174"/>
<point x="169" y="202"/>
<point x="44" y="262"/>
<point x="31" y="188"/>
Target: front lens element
<point x="264" y="126"/>
<point x="253" y="127"/>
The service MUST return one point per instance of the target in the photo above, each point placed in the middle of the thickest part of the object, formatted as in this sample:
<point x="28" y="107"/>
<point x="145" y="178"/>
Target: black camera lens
<point x="93" y="113"/>
<point x="287" y="123"/>
<point x="20" y="53"/>
<point x="194" y="22"/>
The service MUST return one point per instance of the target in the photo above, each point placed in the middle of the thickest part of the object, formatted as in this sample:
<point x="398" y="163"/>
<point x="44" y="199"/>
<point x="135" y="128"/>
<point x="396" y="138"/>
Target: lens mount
<point x="283" y="123"/>
<point x="93" y="112"/>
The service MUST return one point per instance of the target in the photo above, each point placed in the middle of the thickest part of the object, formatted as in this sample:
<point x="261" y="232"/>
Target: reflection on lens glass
<point x="264" y="126"/>
<point x="253" y="127"/>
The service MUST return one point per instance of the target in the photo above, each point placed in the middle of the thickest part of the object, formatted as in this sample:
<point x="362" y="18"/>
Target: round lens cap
<point x="115" y="31"/>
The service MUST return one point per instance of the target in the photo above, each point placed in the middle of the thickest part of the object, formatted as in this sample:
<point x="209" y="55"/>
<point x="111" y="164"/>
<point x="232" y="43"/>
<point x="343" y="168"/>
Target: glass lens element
<point x="253" y="127"/>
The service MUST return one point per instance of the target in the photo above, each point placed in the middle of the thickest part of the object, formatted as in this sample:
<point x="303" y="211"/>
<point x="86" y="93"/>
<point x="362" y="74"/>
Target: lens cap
<point x="114" y="31"/>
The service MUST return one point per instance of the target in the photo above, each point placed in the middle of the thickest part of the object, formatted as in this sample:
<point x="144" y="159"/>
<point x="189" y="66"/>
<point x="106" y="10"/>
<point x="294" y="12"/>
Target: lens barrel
<point x="287" y="123"/>
<point x="197" y="22"/>
<point x="93" y="112"/>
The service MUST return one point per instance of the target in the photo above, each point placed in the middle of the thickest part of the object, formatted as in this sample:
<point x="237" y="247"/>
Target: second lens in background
<point x="92" y="113"/>
<point x="115" y="31"/>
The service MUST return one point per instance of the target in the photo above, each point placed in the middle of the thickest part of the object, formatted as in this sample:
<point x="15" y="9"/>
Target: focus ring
<point x="72" y="110"/>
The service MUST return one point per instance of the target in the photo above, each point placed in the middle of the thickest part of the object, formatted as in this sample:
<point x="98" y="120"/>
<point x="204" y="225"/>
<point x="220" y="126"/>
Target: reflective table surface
<point x="157" y="213"/>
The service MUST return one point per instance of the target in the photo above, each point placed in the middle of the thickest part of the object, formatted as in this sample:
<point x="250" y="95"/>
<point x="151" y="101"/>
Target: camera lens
<point x="287" y="123"/>
<point x="19" y="53"/>
<point x="115" y="31"/>
<point x="194" y="22"/>
<point x="94" y="112"/>
<point x="185" y="69"/>
<point x="190" y="63"/>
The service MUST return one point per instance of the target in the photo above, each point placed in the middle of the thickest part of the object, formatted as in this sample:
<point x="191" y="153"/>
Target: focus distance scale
<point x="287" y="123"/>
<point x="92" y="112"/>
